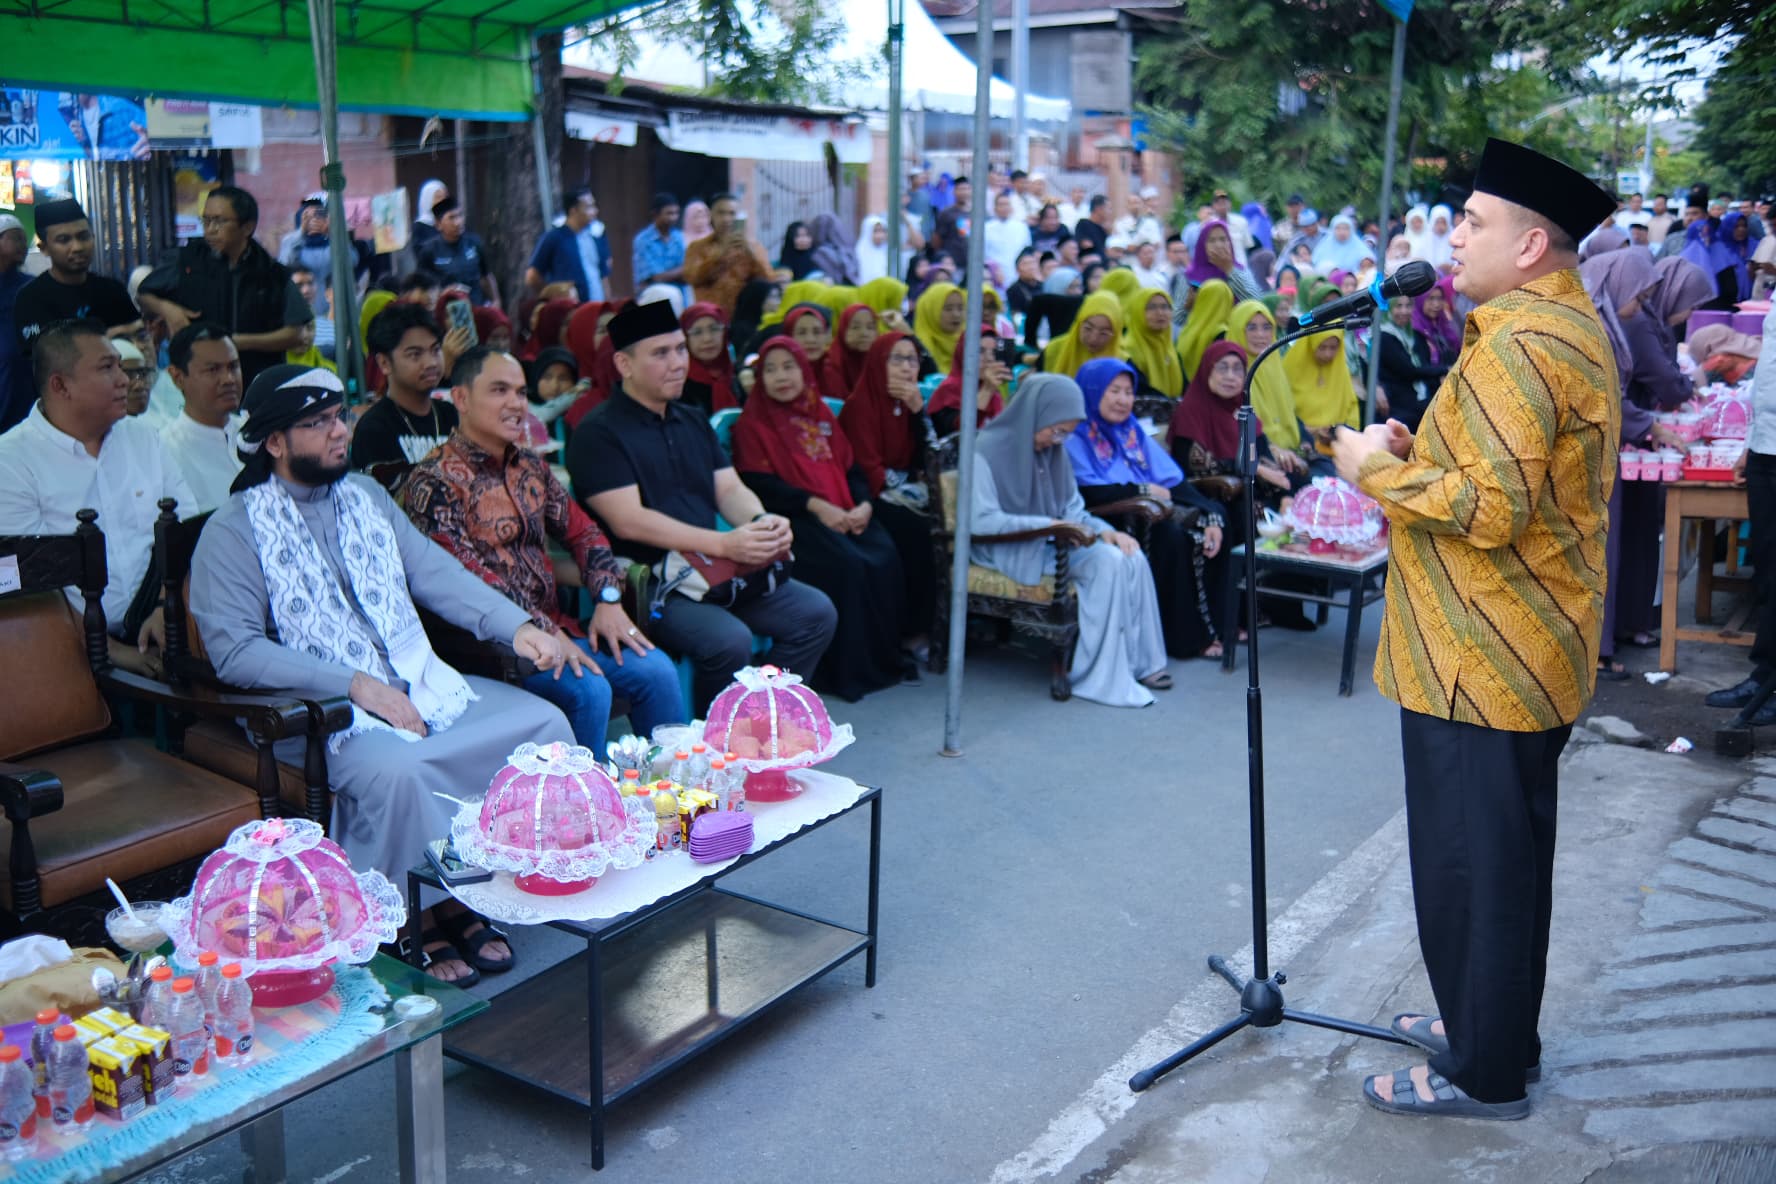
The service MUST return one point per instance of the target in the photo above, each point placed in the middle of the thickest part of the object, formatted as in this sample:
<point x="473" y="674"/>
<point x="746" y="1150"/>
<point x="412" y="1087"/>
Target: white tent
<point x="936" y="75"/>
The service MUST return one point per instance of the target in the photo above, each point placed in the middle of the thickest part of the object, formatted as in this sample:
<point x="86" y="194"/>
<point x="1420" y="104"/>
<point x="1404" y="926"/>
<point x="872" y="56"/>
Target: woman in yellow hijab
<point x="1147" y="335"/>
<point x="837" y="298"/>
<point x="1121" y="281"/>
<point x="374" y="302"/>
<point x="799" y="292"/>
<point x="1207" y="324"/>
<point x="1320" y="382"/>
<point x="1251" y="326"/>
<point x="883" y="294"/>
<point x="937" y="322"/>
<point x="1095" y="333"/>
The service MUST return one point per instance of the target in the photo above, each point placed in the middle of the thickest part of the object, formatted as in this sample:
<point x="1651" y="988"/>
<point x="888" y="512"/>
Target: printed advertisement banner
<point x="765" y="137"/>
<point x="62" y="125"/>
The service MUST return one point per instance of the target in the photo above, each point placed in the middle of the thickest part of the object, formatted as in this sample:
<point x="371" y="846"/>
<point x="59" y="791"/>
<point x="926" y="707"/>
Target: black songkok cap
<point x="638" y="322"/>
<point x="1556" y="191"/>
<point x="444" y="205"/>
<point x="282" y="395"/>
<point x="54" y="213"/>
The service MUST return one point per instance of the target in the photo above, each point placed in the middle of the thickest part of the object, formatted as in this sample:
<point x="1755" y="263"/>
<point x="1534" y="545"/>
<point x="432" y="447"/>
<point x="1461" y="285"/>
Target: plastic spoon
<point x="122" y="899"/>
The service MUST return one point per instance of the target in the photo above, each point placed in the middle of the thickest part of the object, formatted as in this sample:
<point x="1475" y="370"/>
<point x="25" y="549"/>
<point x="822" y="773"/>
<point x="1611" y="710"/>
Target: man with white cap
<point x="15" y="364"/>
<point x="1499" y="510"/>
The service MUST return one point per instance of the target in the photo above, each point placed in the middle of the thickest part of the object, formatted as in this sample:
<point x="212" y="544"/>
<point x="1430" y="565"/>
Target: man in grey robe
<point x="413" y="738"/>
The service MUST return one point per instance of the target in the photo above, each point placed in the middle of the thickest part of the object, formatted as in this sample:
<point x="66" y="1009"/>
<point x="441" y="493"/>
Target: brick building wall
<point x="287" y="168"/>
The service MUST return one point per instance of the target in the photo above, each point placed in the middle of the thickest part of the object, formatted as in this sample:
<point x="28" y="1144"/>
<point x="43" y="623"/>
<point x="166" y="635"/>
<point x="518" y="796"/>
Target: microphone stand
<point x="1261" y="996"/>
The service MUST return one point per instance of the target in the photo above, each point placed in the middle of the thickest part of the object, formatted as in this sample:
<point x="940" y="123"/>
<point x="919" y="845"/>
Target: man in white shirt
<point x="78" y="450"/>
<point x="1150" y="271"/>
<point x="1074" y="209"/>
<point x="1140" y="222"/>
<point x="1006" y="235"/>
<point x="1026" y="197"/>
<point x="202" y="441"/>
<point x="1631" y="213"/>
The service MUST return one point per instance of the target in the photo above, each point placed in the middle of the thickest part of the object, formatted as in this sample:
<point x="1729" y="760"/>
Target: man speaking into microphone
<point x="1498" y="510"/>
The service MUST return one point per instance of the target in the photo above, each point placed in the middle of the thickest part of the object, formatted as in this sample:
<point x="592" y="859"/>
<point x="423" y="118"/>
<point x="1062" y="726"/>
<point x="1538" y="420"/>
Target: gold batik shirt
<point x="1499" y="516"/>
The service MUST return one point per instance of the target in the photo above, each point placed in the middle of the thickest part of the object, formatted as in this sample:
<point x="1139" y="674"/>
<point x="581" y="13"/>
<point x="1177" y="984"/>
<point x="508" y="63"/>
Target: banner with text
<point x="765" y="137"/>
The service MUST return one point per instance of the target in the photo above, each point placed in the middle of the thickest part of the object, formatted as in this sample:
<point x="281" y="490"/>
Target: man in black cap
<point x="69" y="290"/>
<point x="306" y="580"/>
<point x="1499" y="514"/>
<point x="232" y="280"/>
<point x="457" y="257"/>
<point x="651" y="470"/>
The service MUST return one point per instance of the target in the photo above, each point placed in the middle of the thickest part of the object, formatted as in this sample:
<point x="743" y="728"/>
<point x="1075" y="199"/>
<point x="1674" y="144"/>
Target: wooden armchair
<point x="220" y="744"/>
<point x="1047" y="611"/>
<point x="82" y="802"/>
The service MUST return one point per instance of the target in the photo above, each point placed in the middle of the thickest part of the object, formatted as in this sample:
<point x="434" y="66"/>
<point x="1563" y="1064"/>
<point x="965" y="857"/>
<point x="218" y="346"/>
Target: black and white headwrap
<point x="284" y="395"/>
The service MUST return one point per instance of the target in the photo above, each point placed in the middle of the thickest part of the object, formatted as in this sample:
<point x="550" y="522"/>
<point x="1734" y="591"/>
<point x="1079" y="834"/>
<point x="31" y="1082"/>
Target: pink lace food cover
<point x="769" y="720"/>
<point x="1334" y="512"/>
<point x="280" y="895"/>
<point x="553" y="811"/>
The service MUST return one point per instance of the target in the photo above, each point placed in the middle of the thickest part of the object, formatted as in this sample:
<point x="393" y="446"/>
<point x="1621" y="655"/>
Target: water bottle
<point x="185" y="1019"/>
<point x="718" y="782"/>
<point x="42" y="1038"/>
<point x="679" y="771"/>
<point x="736" y="783"/>
<point x="156" y="996"/>
<point x="234" y="1017"/>
<point x="700" y="764"/>
<point x="209" y="981"/>
<point x="70" y="1088"/>
<point x="18" y="1105"/>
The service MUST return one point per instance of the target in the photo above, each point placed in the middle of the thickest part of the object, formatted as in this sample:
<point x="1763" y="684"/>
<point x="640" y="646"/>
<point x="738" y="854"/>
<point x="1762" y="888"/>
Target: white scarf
<point x="312" y="615"/>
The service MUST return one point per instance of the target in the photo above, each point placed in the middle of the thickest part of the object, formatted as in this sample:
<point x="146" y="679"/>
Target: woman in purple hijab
<point x="1212" y="259"/>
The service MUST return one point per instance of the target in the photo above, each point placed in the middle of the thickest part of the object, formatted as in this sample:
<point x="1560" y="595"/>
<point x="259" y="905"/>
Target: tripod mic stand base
<point x="1261" y="1006"/>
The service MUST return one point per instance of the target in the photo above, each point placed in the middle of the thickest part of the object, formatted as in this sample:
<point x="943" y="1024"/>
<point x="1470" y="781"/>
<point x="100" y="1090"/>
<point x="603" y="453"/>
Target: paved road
<point x="1046" y="898"/>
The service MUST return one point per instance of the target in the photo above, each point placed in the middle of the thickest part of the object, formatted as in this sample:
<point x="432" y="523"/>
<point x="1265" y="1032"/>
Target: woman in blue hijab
<point x="1705" y="245"/>
<point x="1114" y="458"/>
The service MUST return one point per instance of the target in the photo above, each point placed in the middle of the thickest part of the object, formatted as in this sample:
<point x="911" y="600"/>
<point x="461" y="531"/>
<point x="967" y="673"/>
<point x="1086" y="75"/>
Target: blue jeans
<point x="649" y="681"/>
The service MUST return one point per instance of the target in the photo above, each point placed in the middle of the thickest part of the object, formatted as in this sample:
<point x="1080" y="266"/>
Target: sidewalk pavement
<point x="1659" y="1024"/>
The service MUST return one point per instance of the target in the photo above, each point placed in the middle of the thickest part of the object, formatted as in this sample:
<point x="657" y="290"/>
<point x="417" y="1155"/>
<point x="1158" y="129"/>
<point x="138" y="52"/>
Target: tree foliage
<point x="1736" y="122"/>
<point x="752" y="50"/>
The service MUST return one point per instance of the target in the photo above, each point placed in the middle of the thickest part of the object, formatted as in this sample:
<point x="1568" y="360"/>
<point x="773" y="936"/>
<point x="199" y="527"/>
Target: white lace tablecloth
<point x="620" y="892"/>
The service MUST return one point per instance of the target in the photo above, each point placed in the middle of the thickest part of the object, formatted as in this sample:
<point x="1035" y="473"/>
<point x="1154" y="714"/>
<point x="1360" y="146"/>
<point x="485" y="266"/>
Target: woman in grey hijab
<point x="1024" y="481"/>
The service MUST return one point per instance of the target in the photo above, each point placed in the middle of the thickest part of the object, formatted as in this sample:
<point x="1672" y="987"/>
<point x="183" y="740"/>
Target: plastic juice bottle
<point x="679" y="771"/>
<point x="42" y="1039"/>
<point x="18" y="1105"/>
<point x="209" y="981"/>
<point x="718" y="782"/>
<point x="233" y="1029"/>
<point x="70" y="1089"/>
<point x="191" y="1043"/>
<point x="631" y="782"/>
<point x="666" y="833"/>
<point x="645" y="795"/>
<point x="156" y="996"/>
<point x="736" y="783"/>
<point x="699" y="767"/>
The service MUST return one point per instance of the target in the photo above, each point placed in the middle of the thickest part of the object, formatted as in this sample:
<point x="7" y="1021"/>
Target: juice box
<point x="118" y="1067"/>
<point x="158" y="1046"/>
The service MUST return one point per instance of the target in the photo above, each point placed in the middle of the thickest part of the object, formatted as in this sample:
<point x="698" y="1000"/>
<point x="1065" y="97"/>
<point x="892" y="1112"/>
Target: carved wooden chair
<point x="82" y="801"/>
<point x="1047" y="611"/>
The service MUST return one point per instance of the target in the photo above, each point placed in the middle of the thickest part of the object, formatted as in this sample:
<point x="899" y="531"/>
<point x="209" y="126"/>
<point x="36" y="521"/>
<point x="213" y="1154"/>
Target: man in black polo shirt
<point x="652" y="472"/>
<point x="232" y="280"/>
<point x="456" y="256"/>
<point x="68" y="291"/>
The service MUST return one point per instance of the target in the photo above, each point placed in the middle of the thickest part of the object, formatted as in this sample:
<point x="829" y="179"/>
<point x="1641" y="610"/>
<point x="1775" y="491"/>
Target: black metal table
<point x="657" y="986"/>
<point x="1350" y="591"/>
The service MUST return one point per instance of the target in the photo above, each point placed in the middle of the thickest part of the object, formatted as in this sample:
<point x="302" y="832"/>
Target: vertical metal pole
<point x="896" y="117"/>
<point x="460" y="190"/>
<point x="539" y="140"/>
<point x="1395" y="82"/>
<point x="971" y="368"/>
<point x="1020" y="81"/>
<point x="323" y="31"/>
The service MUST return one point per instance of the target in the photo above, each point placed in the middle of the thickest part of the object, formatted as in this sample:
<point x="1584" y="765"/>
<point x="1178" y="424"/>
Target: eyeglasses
<point x="321" y="423"/>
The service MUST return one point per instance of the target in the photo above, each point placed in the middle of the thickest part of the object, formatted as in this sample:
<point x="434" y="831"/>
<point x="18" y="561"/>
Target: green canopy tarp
<point x="464" y="58"/>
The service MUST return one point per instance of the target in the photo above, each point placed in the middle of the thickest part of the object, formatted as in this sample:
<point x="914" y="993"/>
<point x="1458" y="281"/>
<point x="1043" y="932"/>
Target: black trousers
<point x="1760" y="499"/>
<point x="1480" y="810"/>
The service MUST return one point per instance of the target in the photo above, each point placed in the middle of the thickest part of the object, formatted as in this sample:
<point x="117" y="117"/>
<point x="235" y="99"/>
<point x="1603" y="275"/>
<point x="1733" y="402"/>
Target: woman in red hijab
<point x="945" y="409"/>
<point x="586" y="336"/>
<point x="884" y="420"/>
<point x="710" y="383"/>
<point x="843" y="364"/>
<point x="493" y="328"/>
<point x="790" y="451"/>
<point x="550" y="320"/>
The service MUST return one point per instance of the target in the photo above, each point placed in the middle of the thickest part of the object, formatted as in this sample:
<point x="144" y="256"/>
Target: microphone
<point x="1414" y="278"/>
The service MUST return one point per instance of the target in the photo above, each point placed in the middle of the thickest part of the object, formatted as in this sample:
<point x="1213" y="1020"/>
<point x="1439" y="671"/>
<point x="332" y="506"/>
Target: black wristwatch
<point x="610" y="594"/>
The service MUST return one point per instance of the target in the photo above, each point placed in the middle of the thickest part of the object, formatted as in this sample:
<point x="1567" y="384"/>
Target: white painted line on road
<point x="1211" y="1003"/>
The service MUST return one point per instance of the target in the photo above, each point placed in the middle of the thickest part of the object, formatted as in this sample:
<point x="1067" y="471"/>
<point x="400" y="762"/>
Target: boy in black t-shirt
<point x="69" y="291"/>
<point x="406" y="423"/>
